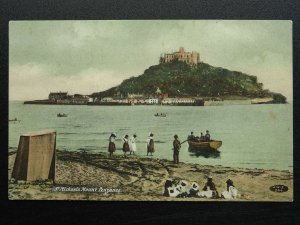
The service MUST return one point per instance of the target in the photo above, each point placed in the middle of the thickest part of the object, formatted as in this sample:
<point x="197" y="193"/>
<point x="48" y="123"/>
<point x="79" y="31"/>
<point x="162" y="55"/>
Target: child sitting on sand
<point x="209" y="190"/>
<point x="231" y="191"/>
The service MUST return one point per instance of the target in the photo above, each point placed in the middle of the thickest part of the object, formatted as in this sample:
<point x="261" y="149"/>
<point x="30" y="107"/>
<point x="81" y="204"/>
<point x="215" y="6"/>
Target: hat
<point x="209" y="176"/>
<point x="229" y="182"/>
<point x="195" y="186"/>
<point x="113" y="134"/>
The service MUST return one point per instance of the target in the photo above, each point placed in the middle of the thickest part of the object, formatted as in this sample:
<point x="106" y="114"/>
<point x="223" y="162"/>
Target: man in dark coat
<point x="176" y="148"/>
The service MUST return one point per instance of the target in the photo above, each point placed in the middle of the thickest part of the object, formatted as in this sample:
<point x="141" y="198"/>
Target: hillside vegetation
<point x="179" y="79"/>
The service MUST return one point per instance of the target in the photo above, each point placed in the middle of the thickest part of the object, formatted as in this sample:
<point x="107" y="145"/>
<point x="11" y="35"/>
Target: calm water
<point x="254" y="136"/>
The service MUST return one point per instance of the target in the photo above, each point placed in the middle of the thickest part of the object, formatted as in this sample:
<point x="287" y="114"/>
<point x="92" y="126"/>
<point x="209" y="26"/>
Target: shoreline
<point x="205" y="101"/>
<point x="141" y="178"/>
<point x="119" y="153"/>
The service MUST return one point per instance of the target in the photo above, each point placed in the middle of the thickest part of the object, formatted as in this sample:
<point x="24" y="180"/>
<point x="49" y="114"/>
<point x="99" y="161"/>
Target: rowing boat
<point x="62" y="115"/>
<point x="204" y="145"/>
<point x="160" y="115"/>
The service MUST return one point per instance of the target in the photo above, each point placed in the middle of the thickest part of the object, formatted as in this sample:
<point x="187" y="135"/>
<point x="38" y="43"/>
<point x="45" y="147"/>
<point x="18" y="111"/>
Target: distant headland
<point x="180" y="78"/>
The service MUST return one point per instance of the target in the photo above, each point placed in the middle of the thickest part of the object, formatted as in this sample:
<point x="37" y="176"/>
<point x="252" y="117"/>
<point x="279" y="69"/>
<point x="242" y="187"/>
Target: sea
<point x="253" y="136"/>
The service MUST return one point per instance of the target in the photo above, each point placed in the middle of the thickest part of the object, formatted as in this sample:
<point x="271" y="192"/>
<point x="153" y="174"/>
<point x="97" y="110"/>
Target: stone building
<point x="80" y="99"/>
<point x="192" y="58"/>
<point x="54" y="96"/>
<point x="151" y="101"/>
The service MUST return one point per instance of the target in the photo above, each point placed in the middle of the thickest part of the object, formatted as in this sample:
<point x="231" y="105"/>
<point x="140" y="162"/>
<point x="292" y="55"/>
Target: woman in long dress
<point x="111" y="145"/>
<point x="132" y="145"/>
<point x="125" y="144"/>
<point x="150" y="144"/>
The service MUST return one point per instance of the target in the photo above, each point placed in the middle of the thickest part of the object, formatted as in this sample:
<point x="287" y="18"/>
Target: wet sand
<point x="143" y="178"/>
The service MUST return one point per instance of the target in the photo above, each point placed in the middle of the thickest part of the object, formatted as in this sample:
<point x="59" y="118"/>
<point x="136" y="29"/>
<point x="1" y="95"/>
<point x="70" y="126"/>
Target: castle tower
<point x="187" y="57"/>
<point x="161" y="59"/>
<point x="195" y="57"/>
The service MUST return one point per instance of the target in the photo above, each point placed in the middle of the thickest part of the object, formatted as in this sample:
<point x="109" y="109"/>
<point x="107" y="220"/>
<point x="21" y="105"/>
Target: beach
<point x="91" y="176"/>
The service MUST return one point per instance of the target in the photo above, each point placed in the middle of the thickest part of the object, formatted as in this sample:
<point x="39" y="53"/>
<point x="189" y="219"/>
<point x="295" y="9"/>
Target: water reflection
<point x="205" y="153"/>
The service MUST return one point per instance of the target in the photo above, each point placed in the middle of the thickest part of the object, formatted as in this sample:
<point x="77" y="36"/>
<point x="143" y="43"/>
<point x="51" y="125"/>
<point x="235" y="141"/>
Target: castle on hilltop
<point x="192" y="58"/>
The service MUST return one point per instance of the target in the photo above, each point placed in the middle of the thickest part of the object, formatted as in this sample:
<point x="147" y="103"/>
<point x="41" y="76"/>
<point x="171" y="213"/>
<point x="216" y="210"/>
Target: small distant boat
<point x="62" y="115"/>
<point x="211" y="145"/>
<point x="160" y="115"/>
<point x="14" y="120"/>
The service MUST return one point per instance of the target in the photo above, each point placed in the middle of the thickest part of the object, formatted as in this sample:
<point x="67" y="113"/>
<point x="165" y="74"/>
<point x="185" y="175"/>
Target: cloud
<point x="35" y="81"/>
<point x="124" y="48"/>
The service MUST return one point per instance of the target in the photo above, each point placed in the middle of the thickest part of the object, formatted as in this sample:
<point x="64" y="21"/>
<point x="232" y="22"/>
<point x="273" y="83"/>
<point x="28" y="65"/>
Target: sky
<point x="83" y="57"/>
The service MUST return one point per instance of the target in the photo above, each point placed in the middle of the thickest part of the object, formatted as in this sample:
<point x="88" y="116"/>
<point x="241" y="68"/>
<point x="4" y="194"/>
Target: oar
<point x="184" y="141"/>
<point x="181" y="143"/>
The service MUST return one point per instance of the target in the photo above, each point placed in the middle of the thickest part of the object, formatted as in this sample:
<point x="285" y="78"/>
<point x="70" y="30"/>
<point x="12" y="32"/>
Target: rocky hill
<point x="179" y="79"/>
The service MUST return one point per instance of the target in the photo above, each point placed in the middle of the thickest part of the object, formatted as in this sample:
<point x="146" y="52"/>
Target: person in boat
<point x="125" y="144"/>
<point x="132" y="145"/>
<point x="231" y="191"/>
<point x="191" y="137"/>
<point x="207" y="136"/>
<point x="209" y="190"/>
<point x="202" y="137"/>
<point x="156" y="114"/>
<point x="111" y="145"/>
<point x="176" y="148"/>
<point x="150" y="144"/>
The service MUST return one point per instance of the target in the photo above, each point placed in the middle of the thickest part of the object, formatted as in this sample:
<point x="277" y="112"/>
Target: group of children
<point x="183" y="189"/>
<point x="129" y="144"/>
<point x="210" y="190"/>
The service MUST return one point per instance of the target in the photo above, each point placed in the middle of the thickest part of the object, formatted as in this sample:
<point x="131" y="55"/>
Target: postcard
<point x="151" y="110"/>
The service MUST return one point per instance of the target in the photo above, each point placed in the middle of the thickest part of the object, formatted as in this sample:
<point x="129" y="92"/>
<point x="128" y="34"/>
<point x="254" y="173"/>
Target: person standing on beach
<point x="125" y="145"/>
<point x="150" y="144"/>
<point x="176" y="148"/>
<point x="132" y="145"/>
<point x="111" y="145"/>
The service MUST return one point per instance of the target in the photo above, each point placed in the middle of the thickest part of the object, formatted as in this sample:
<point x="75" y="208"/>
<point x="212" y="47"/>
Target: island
<point x="179" y="79"/>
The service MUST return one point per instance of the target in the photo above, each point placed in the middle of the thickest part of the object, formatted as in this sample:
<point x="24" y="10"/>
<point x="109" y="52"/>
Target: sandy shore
<point x="140" y="178"/>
